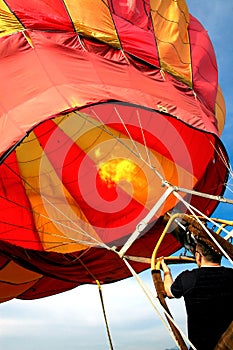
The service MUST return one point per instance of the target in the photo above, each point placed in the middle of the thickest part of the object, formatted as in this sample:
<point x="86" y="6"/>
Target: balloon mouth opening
<point x="91" y="175"/>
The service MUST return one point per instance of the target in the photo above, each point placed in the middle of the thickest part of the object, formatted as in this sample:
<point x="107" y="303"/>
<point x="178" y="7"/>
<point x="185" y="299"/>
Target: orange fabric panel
<point x="97" y="24"/>
<point x="171" y="19"/>
<point x="15" y="280"/>
<point x="15" y="274"/>
<point x="220" y="110"/>
<point x="10" y="291"/>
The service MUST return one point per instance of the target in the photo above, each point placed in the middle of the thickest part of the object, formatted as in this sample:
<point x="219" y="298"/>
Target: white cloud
<point x="75" y="317"/>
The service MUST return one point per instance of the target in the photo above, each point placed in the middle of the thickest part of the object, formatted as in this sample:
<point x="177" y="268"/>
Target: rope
<point x="149" y="295"/>
<point x="102" y="303"/>
<point x="153" y="300"/>
<point x="144" y="139"/>
<point x="128" y="133"/>
<point x="159" y="286"/>
<point x="104" y="313"/>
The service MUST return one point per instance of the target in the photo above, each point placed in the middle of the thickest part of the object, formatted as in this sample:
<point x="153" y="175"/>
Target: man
<point x="208" y="296"/>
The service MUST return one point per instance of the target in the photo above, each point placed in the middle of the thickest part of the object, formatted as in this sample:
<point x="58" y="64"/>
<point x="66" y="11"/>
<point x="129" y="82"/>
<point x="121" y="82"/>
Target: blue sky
<point x="74" y="320"/>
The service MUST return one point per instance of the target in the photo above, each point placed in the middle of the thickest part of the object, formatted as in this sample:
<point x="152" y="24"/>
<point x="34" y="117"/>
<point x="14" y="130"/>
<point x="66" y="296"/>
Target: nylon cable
<point x="104" y="314"/>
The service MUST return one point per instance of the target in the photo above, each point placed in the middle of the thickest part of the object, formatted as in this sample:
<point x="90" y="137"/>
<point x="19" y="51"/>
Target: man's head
<point x="203" y="251"/>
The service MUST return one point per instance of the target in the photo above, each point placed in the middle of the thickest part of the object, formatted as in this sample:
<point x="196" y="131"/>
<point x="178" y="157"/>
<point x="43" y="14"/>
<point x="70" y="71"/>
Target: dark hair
<point x="209" y="253"/>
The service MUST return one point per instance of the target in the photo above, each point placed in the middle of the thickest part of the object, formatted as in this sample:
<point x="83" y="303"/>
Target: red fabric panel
<point x="212" y="182"/>
<point x="3" y="261"/>
<point x="42" y="15"/>
<point x="47" y="286"/>
<point x="104" y="50"/>
<point x="144" y="47"/>
<point x="204" y="65"/>
<point x="136" y="12"/>
<point x="16" y="220"/>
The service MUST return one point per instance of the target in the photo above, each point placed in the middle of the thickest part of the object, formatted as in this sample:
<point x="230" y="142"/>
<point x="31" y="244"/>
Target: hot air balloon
<point x="107" y="109"/>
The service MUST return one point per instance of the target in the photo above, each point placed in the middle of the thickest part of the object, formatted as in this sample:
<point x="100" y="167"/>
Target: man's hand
<point x="164" y="266"/>
<point x="168" y="280"/>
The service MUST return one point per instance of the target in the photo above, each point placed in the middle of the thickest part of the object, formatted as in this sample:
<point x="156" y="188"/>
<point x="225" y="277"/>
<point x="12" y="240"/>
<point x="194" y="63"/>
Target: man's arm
<point x="168" y="280"/>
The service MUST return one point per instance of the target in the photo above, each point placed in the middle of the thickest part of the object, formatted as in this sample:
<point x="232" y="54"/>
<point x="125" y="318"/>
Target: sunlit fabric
<point x="102" y="103"/>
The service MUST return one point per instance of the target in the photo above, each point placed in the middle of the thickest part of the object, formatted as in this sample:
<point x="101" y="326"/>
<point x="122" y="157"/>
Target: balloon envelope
<point x="99" y="108"/>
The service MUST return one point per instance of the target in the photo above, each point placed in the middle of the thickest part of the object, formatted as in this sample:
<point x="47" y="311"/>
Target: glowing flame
<point x="116" y="170"/>
<point x="122" y="172"/>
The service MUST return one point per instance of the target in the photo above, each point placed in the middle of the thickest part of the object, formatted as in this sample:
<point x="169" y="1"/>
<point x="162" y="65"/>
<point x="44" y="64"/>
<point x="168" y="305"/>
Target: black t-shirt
<point x="208" y="295"/>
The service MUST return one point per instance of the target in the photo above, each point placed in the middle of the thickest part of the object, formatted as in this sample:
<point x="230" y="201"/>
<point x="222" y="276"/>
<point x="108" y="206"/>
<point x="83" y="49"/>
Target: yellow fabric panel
<point x="220" y="110"/>
<point x="9" y="24"/>
<point x="170" y="20"/>
<point x="15" y="274"/>
<point x="93" y="20"/>
<point x="61" y="225"/>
